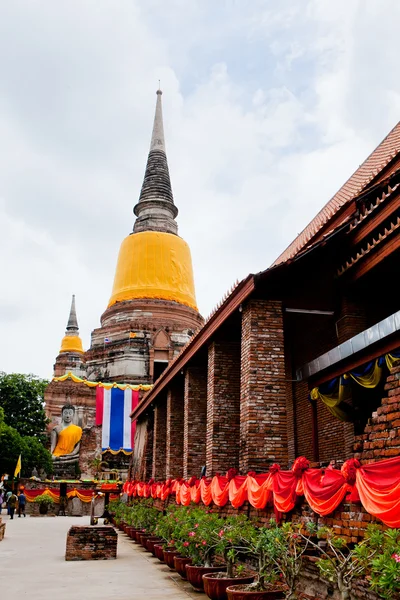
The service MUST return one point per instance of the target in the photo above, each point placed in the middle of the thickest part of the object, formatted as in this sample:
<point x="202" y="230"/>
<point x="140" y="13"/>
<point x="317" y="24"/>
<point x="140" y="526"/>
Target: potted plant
<point x="341" y="563"/>
<point x="184" y="537"/>
<point x="44" y="501"/>
<point x="202" y="546"/>
<point x="230" y="542"/>
<point x="279" y="552"/>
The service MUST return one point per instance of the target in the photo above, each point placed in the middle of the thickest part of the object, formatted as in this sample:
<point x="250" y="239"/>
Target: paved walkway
<point x="32" y="565"/>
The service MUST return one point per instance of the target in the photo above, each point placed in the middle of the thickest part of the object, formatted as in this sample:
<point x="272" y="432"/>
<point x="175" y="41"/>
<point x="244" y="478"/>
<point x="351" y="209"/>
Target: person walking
<point x="12" y="503"/>
<point x="6" y="498"/>
<point x="21" y="504"/>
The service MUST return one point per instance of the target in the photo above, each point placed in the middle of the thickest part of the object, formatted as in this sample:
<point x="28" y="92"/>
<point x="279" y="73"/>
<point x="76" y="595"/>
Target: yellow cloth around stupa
<point x="71" y="343"/>
<point x="152" y="264"/>
<point x="67" y="440"/>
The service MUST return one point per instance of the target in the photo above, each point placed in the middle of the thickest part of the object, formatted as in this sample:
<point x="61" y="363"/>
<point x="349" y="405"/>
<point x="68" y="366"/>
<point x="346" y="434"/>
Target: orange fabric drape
<point x="83" y="495"/>
<point x="376" y="485"/>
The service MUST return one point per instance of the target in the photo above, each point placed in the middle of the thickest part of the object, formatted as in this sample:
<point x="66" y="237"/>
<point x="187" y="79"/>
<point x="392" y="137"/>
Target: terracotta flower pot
<point x="215" y="587"/>
<point x="137" y="534"/>
<point x="159" y="551"/>
<point x="130" y="531"/>
<point x="151" y="542"/>
<point x="238" y="592"/>
<point x="180" y="563"/>
<point x="143" y="539"/>
<point x="195" y="575"/>
<point x="169" y="558"/>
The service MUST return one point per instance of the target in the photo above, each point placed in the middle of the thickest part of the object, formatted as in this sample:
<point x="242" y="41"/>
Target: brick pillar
<point x="174" y="449"/>
<point x="223" y="407"/>
<point x="159" y="440"/>
<point x="195" y="419"/>
<point x="148" y="451"/>
<point x="263" y="428"/>
<point x="352" y="319"/>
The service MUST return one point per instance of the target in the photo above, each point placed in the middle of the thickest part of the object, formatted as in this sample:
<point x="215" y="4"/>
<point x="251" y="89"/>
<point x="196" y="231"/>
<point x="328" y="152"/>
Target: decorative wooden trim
<point x="379" y="255"/>
<point x="364" y="229"/>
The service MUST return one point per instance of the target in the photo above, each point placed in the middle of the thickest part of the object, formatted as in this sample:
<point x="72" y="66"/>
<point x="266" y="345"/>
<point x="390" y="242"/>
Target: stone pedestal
<point x="63" y="471"/>
<point x="91" y="543"/>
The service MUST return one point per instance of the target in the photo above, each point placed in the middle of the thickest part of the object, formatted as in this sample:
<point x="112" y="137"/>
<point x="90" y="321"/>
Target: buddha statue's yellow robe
<point x="67" y="440"/>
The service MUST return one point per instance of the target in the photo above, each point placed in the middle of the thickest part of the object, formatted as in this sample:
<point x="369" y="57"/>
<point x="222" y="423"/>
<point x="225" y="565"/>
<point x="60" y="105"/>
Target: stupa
<point x="152" y="311"/>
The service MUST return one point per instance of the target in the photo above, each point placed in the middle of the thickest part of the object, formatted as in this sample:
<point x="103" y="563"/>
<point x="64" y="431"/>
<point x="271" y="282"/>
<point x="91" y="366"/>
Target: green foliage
<point x="21" y="397"/>
<point x="384" y="569"/>
<point x="44" y="499"/>
<point x="32" y="451"/>
<point x="279" y="551"/>
<point x="202" y="546"/>
<point x="231" y="540"/>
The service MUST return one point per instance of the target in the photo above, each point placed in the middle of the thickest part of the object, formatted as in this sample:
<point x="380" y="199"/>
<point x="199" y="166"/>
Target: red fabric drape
<point x="376" y="485"/>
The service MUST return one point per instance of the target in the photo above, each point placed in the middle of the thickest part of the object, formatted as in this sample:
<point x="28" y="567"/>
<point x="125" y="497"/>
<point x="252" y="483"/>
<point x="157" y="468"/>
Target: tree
<point x="22" y="399"/>
<point x="32" y="451"/>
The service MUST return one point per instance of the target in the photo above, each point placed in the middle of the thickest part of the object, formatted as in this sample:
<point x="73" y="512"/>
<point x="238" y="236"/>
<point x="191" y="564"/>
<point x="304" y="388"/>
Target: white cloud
<point x="268" y="109"/>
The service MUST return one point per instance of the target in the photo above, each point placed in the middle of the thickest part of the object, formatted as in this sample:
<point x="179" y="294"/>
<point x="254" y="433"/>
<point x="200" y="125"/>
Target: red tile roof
<point x="369" y="169"/>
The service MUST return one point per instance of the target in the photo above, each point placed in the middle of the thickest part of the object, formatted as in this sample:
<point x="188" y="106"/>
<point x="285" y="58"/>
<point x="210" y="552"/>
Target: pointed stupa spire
<point x="157" y="138"/>
<point x="156" y="210"/>
<point x="71" y="342"/>
<point x="72" y="325"/>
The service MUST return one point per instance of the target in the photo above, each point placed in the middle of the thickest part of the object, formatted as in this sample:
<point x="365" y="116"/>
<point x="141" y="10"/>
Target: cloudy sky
<point x="268" y="108"/>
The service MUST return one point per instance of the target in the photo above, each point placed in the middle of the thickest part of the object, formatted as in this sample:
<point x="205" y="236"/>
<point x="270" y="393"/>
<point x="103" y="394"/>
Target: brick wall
<point x="304" y="418"/>
<point x="91" y="543"/>
<point x="381" y="437"/>
<point x="223" y="406"/>
<point x="159" y="440"/>
<point x="352" y="319"/>
<point x="149" y="448"/>
<point x="174" y="437"/>
<point x="90" y="448"/>
<point x="195" y="415"/>
<point x="263" y="427"/>
<point x="331" y="435"/>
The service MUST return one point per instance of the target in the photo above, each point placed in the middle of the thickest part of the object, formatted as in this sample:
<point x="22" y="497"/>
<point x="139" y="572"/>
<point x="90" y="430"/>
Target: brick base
<point x="91" y="543"/>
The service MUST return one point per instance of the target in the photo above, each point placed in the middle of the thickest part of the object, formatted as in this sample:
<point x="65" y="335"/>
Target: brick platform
<point x="91" y="543"/>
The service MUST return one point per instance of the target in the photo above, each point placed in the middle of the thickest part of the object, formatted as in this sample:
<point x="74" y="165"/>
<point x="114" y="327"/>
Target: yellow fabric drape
<point x="107" y="386"/>
<point x="391" y="360"/>
<point x="369" y="380"/>
<point x="121" y="451"/>
<point x="71" y="343"/>
<point x="153" y="264"/>
<point x="67" y="440"/>
<point x="333" y="401"/>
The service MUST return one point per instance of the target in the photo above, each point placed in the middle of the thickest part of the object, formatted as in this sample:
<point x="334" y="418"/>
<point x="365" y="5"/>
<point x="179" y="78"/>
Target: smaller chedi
<point x="66" y="439"/>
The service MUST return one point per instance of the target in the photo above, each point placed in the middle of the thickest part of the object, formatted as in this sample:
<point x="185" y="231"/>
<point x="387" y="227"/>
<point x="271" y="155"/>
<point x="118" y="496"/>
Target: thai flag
<point x="113" y="408"/>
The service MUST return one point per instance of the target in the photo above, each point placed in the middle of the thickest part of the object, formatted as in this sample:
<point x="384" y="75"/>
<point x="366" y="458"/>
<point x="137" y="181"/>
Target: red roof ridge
<point x="366" y="172"/>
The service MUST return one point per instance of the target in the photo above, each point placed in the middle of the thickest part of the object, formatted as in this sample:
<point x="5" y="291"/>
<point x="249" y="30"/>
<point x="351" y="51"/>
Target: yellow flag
<point x="18" y="467"/>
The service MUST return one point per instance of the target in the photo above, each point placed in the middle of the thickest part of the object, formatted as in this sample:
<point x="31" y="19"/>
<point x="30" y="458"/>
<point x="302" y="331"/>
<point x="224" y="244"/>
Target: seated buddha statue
<point x="66" y="438"/>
